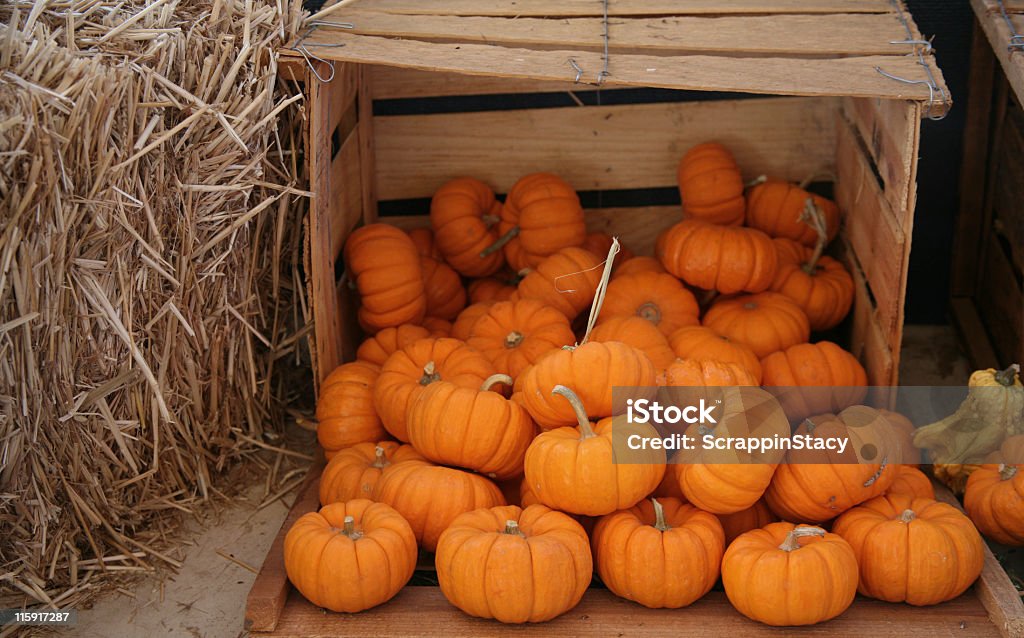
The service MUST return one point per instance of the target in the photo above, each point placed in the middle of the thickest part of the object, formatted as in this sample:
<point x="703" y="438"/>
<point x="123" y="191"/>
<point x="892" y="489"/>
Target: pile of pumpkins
<point x="476" y="420"/>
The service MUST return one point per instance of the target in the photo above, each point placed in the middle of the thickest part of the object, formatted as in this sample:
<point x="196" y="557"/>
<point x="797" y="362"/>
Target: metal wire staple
<point x="1016" y="39"/>
<point x="921" y="47"/>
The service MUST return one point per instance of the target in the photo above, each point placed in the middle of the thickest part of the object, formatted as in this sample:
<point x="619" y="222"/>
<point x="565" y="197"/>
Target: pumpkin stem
<point x="429" y="374"/>
<point x="490" y="220"/>
<point x="523" y="273"/>
<point x="350" y="529"/>
<point x="760" y="179"/>
<point x="650" y="312"/>
<point x="659" y="517"/>
<point x="791" y="543"/>
<point x="500" y="242"/>
<point x="586" y="431"/>
<point x="602" y="288"/>
<point x="380" y="460"/>
<point x="1007" y="472"/>
<point x="814" y="217"/>
<point x="496" y="378"/>
<point x="513" y="339"/>
<point x="874" y="477"/>
<point x="908" y="515"/>
<point x="512" y="528"/>
<point x="1006" y="377"/>
<point x="815" y="175"/>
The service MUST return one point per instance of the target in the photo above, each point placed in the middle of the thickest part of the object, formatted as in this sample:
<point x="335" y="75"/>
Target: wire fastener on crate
<point x="309" y="56"/>
<point x="1016" y="39"/>
<point x="921" y="47"/>
<point x="603" y="73"/>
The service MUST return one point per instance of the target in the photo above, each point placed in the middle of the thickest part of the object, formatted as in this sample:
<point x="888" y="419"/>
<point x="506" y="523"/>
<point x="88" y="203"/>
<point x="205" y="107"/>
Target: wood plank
<point x="994" y="588"/>
<point x="341" y="92"/>
<point x="988" y="14"/>
<point x="391" y="82"/>
<point x="1000" y="301"/>
<point x="266" y="598"/>
<point x="867" y="340"/>
<point x="416" y="610"/>
<point x="861" y="34"/>
<point x="872" y="229"/>
<point x="1008" y="214"/>
<point x="972" y="333"/>
<point x="368" y="174"/>
<point x="524" y="8"/>
<point x="600" y="147"/>
<point x="346" y="200"/>
<point x="854" y="76"/>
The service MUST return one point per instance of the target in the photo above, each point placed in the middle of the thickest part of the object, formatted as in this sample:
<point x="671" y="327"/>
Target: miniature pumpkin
<point x="353" y="472"/>
<point x="641" y="552"/>
<point x="443" y="288"/>
<point x="669" y="486"/>
<point x="820" y="285"/>
<point x="573" y="470"/>
<point x="492" y="289"/>
<point x="463" y="325"/>
<point x="591" y="371"/>
<point x="817" y="485"/>
<point x="515" y="334"/>
<point x="694" y="372"/>
<point x="425" y="246"/>
<point x="904" y="429"/>
<point x="756" y="516"/>
<point x="777" y="208"/>
<point x="565" y="281"/>
<point x="656" y="297"/>
<point x="639" y="333"/>
<point x="766" y="322"/>
<point x="805" y="575"/>
<point x="723" y="258"/>
<point x="710" y="185"/>
<point x="437" y="327"/>
<point x="406" y="373"/>
<point x="913" y="550"/>
<point x="911" y="481"/>
<point x="344" y="409"/>
<point x="464" y="215"/>
<point x="994" y="499"/>
<point x="379" y="347"/>
<point x="600" y="243"/>
<point x="834" y="380"/>
<point x="350" y="556"/>
<point x="431" y="496"/>
<point x="702" y="343"/>
<point x="472" y="428"/>
<point x="514" y="565"/>
<point x="385" y="266"/>
<point x="637" y="265"/>
<point x="541" y="215"/>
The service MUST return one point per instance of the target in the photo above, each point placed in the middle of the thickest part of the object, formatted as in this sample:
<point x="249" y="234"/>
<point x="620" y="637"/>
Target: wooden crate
<point x="421" y="92"/>
<point x="987" y="280"/>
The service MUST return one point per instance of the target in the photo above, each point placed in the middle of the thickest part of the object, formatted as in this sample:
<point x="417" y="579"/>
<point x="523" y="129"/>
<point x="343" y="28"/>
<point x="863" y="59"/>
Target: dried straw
<point x="150" y="302"/>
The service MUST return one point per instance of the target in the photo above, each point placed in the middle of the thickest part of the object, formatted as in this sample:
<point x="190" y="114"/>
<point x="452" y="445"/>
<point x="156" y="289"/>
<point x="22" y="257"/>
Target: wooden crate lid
<point x="778" y="47"/>
<point x="997" y="26"/>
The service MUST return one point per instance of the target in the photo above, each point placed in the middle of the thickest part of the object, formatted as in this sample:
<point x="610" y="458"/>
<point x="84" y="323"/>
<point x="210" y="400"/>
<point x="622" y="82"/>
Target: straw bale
<point x="151" y="311"/>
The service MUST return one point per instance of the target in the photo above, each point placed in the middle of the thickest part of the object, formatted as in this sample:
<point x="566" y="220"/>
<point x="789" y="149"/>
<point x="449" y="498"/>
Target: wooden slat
<point x="868" y="342"/>
<point x="1000" y="301"/>
<point x="391" y="82"/>
<point x="972" y="333"/>
<point x="860" y="34"/>
<point x="871" y="228"/>
<point x="271" y="588"/>
<point x="853" y="76"/>
<point x="998" y="34"/>
<point x="512" y="8"/>
<point x="416" y="611"/>
<point x="994" y="589"/>
<point x="365" y="126"/>
<point x="1008" y="212"/>
<point x="346" y="201"/>
<point x="600" y="147"/>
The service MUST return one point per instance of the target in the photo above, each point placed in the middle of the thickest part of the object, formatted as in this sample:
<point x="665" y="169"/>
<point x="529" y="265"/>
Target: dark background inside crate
<point x="949" y="21"/>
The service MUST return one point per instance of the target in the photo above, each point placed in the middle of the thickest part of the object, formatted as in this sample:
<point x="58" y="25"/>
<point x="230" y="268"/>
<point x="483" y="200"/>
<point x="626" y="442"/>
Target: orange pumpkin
<point x="702" y="343"/>
<point x="350" y="556"/>
<point x="904" y="430"/>
<point x="385" y="266"/>
<point x="515" y="334"/>
<point x="472" y="428"/>
<point x="446" y="296"/>
<point x="710" y="185"/>
<point x="437" y="327"/>
<point x="820" y="285"/>
<point x="406" y="373"/>
<point x="639" y="333"/>
<point x="669" y="486"/>
<point x="502" y="563"/>
<point x="658" y="298"/>
<point x="911" y="481"/>
<point x="723" y="258"/>
<point x="573" y="469"/>
<point x="344" y="410"/>
<point x="816" y="485"/>
<point x="912" y="550"/>
<point x="994" y="499"/>
<point x="637" y="265"/>
<point x="425" y="246"/>
<point x="641" y="552"/>
<point x="777" y="208"/>
<point x="464" y="215"/>
<point x="765" y="322"/>
<point x="756" y="516"/>
<point x="694" y="372"/>
<point x="379" y="347"/>
<point x="353" y="472"/>
<point x="491" y="289"/>
<point x="804" y="575"/>
<point x="431" y="496"/>
<point x="591" y="371"/>
<point x="541" y="215"/>
<point x="834" y="380"/>
<point x="463" y="325"/>
<point x="566" y="281"/>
